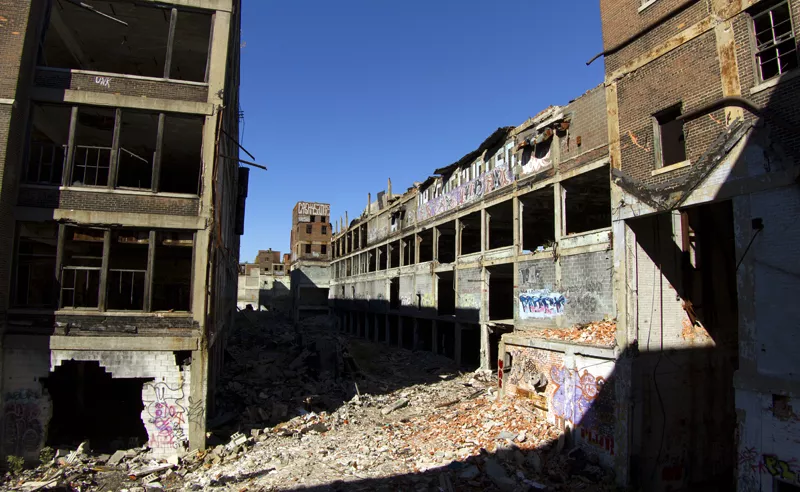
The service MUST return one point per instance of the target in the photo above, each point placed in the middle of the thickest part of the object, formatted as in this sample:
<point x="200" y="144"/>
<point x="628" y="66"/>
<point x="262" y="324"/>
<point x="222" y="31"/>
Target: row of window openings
<point x="309" y="228"/>
<point x="77" y="285"/>
<point x="469" y="173"/>
<point x="357" y="241"/>
<point x="152" y="151"/>
<point x="323" y="249"/>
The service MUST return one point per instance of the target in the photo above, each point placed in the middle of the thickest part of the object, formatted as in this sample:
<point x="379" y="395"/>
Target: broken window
<point x="670" y="142"/>
<point x="588" y="201"/>
<point x="447" y="242"/>
<point x="35" y="265"/>
<point x="94" y="135"/>
<point x="308" y="229"/>
<point x="323" y="249"/>
<point x="172" y="271"/>
<point x="426" y="245"/>
<point x="362" y="236"/>
<point x="127" y="270"/>
<point x="538" y="219"/>
<point x="95" y="39"/>
<point x="181" y="154"/>
<point x="313" y="218"/>
<point x="471" y="233"/>
<point x="48" y="144"/>
<point x="80" y="272"/>
<point x="324" y="229"/>
<point x="501" y="224"/>
<point x="776" y="50"/>
<point x="308" y="248"/>
<point x="137" y="149"/>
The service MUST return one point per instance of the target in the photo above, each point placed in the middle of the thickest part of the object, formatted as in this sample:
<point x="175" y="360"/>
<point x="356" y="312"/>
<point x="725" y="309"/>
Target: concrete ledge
<point x="123" y="343"/>
<point x="129" y="219"/>
<point x="119" y="101"/>
<point x="222" y="5"/>
<point x="519" y="339"/>
<point x="599" y="236"/>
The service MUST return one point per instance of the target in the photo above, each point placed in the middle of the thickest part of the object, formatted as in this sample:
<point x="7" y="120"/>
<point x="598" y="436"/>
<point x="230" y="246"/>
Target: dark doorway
<point x="89" y="404"/>
<point x="470" y="346"/>
<point x="394" y="254"/>
<point x="394" y="293"/>
<point x="446" y="293"/>
<point x="501" y="292"/>
<point x="394" y="335"/>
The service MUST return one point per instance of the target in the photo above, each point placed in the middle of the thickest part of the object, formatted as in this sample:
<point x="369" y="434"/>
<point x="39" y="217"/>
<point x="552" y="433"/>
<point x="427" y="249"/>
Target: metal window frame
<point x="756" y="51"/>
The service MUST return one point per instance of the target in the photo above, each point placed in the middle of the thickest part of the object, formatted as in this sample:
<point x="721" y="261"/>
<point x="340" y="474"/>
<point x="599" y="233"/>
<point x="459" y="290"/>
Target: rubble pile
<point x="595" y="333"/>
<point x="308" y="409"/>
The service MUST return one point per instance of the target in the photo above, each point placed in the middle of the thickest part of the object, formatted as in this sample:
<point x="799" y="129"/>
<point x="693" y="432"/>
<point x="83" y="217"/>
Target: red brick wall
<point x="107" y="202"/>
<point x="689" y="74"/>
<point x="589" y="123"/>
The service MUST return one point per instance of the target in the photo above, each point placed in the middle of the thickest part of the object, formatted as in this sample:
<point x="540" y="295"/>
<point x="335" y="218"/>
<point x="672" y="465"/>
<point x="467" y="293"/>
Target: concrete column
<point x="517" y="226"/>
<point x="416" y="248"/>
<point x="457" y="349"/>
<point x="485" y="349"/>
<point x="559" y="197"/>
<point x="62" y="232"/>
<point x="104" y="271"/>
<point x="198" y="398"/>
<point x="484" y="230"/>
<point x="436" y="244"/>
<point x="458" y="238"/>
<point x="402" y="252"/>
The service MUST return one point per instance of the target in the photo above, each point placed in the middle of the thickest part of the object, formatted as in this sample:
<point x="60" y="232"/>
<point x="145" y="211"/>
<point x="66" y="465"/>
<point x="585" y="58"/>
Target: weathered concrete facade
<point x="265" y="283"/>
<point x="702" y="124"/>
<point x="513" y="236"/>
<point x="311" y="255"/>
<point x="121" y="206"/>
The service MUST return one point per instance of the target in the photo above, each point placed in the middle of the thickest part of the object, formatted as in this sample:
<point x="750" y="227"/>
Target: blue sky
<point x="339" y="96"/>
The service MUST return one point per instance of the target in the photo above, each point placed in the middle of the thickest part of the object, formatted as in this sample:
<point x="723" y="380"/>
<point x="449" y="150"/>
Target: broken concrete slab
<point x="402" y="402"/>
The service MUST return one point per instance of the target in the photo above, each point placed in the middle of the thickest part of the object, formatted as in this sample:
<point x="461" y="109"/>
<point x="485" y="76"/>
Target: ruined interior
<point x="445" y="339"/>
<point x="470" y="345"/>
<point x="94" y="137"/>
<point x="35" y="265"/>
<point x="152" y="40"/>
<point x="127" y="270"/>
<point x="425" y="245"/>
<point x="409" y="250"/>
<point x="501" y="224"/>
<point x="446" y="252"/>
<point x="587" y="201"/>
<point x="383" y="256"/>
<point x="501" y="291"/>
<point x="394" y="254"/>
<point x="424" y="334"/>
<point x="172" y="275"/>
<point x="48" y="143"/>
<point x="538" y="219"/>
<point x="471" y="233"/>
<point x="80" y="273"/>
<point x="446" y="294"/>
<point x="394" y="293"/>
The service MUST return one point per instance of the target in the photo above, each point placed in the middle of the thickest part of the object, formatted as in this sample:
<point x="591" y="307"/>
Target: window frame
<point x="658" y="150"/>
<point x="754" y="51"/>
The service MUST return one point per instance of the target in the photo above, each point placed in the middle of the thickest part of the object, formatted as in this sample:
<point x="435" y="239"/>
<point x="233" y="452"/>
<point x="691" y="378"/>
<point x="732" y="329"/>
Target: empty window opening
<point x="407" y="332"/>
<point x="588" y="201"/>
<point x="380" y="326"/>
<point x="394" y="254"/>
<point x="183" y="358"/>
<point x="373" y="259"/>
<point x="501" y="292"/>
<point x="470" y="346"/>
<point x="471" y="233"/>
<point x="495" y="332"/>
<point x="313" y="218"/>
<point x="349" y="266"/>
<point x="394" y="293"/>
<point x="426" y="245"/>
<point x="140" y="48"/>
<point x="127" y="269"/>
<point x="48" y="144"/>
<point x="35" y="265"/>
<point x="324" y="229"/>
<point x="362" y="236"/>
<point x="80" y="273"/>
<point x="446" y="293"/>
<point x="446" y="339"/>
<point x="308" y="229"/>
<point x="409" y="250"/>
<point x="382" y="257"/>
<point x="88" y="404"/>
<point x="172" y="272"/>
<point x="424" y="335"/>
<point x="308" y="249"/>
<point x="181" y="154"/>
<point x="137" y="149"/>
<point x="447" y="243"/>
<point x="501" y="224"/>
<point x="776" y="49"/>
<point x="670" y="139"/>
<point x="94" y="134"/>
<point x="393" y="330"/>
<point x="538" y="220"/>
<point x="323" y="249"/>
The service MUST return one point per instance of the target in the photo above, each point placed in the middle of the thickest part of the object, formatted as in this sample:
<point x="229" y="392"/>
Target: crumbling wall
<point x="536" y="279"/>
<point x="587" y="287"/>
<point x="573" y="391"/>
<point x="167" y="400"/>
<point x="468" y="297"/>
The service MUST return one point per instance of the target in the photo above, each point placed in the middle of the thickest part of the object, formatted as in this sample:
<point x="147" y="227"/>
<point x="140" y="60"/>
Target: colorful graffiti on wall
<point x="786" y="471"/>
<point x="306" y="208"/>
<point x="578" y="398"/>
<point x="167" y="416"/>
<point x="468" y="192"/>
<point x="534" y="162"/>
<point x="23" y="432"/>
<point x="541" y="304"/>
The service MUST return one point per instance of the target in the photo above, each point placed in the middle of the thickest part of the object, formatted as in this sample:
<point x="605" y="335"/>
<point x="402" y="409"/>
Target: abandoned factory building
<point x="310" y="267"/>
<point x="121" y="206"/>
<point x="626" y="260"/>
<point x="265" y="282"/>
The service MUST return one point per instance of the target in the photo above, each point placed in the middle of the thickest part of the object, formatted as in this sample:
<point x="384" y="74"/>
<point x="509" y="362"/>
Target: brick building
<point x="119" y="219"/>
<point x="702" y="123"/>
<point x="265" y="282"/>
<point x="310" y="245"/>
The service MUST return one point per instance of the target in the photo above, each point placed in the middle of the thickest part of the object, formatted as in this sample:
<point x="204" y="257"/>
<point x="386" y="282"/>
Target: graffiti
<point x="167" y="416"/>
<point x="597" y="439"/>
<point x="22" y="427"/>
<point x="782" y="470"/>
<point x="468" y="192"/>
<point x="541" y="304"/>
<point x="534" y="162"/>
<point x="305" y="208"/>
<point x="574" y="393"/>
<point x="104" y="81"/>
<point x="530" y="275"/>
<point x="197" y="412"/>
<point x="750" y="466"/>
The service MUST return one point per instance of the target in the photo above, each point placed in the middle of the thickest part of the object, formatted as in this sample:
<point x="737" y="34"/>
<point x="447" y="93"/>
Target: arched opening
<point x="88" y="404"/>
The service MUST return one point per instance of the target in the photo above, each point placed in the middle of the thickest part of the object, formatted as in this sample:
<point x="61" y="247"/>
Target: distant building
<point x="264" y="284"/>
<point x="310" y="260"/>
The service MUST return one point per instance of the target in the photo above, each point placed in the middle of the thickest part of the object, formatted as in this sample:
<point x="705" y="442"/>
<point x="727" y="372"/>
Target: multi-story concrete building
<point x="311" y="255"/>
<point x="121" y="206"/>
<point x="265" y="282"/>
<point x="515" y="235"/>
<point x="702" y="120"/>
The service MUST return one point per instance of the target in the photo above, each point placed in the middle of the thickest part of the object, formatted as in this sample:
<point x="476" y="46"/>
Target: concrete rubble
<point x="352" y="415"/>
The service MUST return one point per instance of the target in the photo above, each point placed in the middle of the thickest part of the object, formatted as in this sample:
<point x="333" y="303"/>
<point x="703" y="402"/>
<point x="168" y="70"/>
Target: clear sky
<point x="340" y="95"/>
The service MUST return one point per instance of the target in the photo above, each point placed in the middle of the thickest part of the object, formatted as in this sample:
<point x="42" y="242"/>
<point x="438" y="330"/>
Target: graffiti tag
<point x="167" y="417"/>
<point x="306" y="208"/>
<point x="541" y="304"/>
<point x="22" y="427"/>
<point x="104" y="81"/>
<point x="467" y="192"/>
<point x="780" y="469"/>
